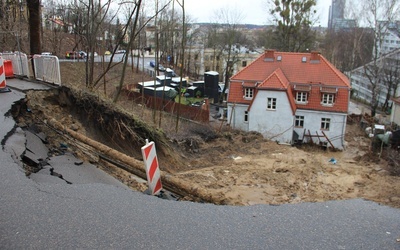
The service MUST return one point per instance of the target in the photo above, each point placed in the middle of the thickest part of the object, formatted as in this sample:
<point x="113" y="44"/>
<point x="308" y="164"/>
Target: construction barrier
<point x="8" y="68"/>
<point x="19" y="63"/>
<point x="152" y="168"/>
<point x="47" y="69"/>
<point x="3" y="85"/>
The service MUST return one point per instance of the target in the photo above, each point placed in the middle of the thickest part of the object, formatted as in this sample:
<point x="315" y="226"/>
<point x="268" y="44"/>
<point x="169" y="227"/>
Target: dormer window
<point x="302" y="92"/>
<point x="248" y="93"/>
<point x="301" y="97"/>
<point x="328" y="99"/>
<point x="328" y="96"/>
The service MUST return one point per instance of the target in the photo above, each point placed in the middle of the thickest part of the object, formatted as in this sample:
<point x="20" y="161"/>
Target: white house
<point x="291" y="97"/>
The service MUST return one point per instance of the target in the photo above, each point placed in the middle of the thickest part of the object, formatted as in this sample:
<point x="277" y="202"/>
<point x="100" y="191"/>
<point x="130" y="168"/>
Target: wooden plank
<point x="328" y="139"/>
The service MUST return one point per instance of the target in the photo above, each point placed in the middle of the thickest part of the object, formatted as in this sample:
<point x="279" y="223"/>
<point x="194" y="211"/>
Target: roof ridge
<point x="277" y="72"/>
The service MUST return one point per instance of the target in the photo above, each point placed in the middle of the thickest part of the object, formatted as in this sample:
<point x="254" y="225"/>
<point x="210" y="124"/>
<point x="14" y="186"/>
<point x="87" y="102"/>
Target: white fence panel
<point x="19" y="63"/>
<point x="47" y="69"/>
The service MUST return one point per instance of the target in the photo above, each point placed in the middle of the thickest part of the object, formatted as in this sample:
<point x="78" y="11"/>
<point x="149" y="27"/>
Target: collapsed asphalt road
<point x="48" y="212"/>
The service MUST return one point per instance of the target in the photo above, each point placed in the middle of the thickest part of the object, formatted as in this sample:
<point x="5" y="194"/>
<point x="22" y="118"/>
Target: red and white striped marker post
<point x="2" y="74"/>
<point x="152" y="168"/>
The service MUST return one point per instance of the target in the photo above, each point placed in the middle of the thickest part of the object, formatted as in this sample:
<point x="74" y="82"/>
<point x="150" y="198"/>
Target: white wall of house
<point x="273" y="124"/>
<point x="312" y="123"/>
<point x="278" y="125"/>
<point x="236" y="114"/>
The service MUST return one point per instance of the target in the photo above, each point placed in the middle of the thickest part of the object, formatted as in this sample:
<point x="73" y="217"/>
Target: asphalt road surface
<point x="97" y="214"/>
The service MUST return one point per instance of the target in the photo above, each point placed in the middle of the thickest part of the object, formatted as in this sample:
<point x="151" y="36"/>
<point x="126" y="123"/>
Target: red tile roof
<point x="283" y="70"/>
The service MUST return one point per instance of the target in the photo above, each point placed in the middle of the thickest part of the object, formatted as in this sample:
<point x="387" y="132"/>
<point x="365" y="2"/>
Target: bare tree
<point x="136" y="12"/>
<point x="13" y="26"/>
<point x="228" y="39"/>
<point x="391" y="77"/>
<point x="34" y="17"/>
<point x="375" y="11"/>
<point x="347" y="48"/>
<point x="183" y="44"/>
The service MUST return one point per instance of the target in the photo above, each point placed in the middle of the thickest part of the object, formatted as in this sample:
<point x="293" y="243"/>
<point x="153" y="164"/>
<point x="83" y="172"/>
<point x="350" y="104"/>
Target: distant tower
<point x="336" y="12"/>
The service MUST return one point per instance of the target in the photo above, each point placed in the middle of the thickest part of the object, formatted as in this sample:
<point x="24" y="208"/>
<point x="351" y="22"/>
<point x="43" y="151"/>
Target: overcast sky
<point x="253" y="11"/>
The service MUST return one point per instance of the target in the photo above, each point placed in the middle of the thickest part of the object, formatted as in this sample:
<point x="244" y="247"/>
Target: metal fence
<point x="19" y="63"/>
<point x="47" y="69"/>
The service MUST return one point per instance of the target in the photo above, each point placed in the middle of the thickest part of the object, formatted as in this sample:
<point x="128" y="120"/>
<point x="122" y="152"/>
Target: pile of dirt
<point x="229" y="166"/>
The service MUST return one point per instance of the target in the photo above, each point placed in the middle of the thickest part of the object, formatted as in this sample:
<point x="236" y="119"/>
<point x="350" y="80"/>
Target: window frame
<point x="248" y="93"/>
<point x="299" y="121"/>
<point x="271" y="103"/>
<point x="328" y="99"/>
<point x="246" y="116"/>
<point x="300" y="95"/>
<point x="325" y="123"/>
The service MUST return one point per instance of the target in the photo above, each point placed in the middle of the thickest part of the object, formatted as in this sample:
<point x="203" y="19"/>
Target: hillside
<point x="223" y="165"/>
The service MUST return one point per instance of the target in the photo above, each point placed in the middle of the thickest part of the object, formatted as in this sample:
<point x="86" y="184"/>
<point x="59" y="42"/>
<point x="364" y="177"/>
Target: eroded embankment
<point x="94" y="130"/>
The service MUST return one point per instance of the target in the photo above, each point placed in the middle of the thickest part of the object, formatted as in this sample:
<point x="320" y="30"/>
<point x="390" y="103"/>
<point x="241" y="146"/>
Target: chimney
<point x="269" y="55"/>
<point x="315" y="56"/>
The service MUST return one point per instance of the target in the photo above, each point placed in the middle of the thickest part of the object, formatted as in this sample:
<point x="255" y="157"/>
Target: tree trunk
<point x="35" y="41"/>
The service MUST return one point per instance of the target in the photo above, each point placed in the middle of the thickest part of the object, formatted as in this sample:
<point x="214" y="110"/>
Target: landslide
<point x="97" y="119"/>
<point x="222" y="165"/>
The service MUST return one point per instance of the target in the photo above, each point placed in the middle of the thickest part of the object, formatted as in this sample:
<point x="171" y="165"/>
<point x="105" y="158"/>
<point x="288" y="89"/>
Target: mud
<point x="229" y="167"/>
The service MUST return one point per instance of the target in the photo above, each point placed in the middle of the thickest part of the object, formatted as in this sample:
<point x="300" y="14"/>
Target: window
<point x="248" y="93"/>
<point x="301" y="97"/>
<point x="271" y="103"/>
<point x="325" y="123"/>
<point x="246" y="116"/>
<point x="244" y="63"/>
<point x="299" y="122"/>
<point x="328" y="99"/>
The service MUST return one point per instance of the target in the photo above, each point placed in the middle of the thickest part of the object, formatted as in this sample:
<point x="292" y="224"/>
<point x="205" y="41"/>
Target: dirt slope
<point x="240" y="168"/>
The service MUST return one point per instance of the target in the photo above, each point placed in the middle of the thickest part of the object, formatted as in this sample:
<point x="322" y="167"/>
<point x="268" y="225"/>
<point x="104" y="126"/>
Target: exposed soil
<point x="231" y="167"/>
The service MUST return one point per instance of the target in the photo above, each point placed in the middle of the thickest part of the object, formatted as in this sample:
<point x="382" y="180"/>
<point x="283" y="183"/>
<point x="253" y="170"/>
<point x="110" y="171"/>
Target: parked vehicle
<point x="161" y="68"/>
<point x="82" y="54"/>
<point x="120" y="52"/>
<point x="46" y="54"/>
<point x="107" y="53"/>
<point x="72" y="55"/>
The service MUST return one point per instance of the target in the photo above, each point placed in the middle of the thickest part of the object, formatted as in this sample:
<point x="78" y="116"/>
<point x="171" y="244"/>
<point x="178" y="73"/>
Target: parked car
<point x="171" y="72"/>
<point x="46" y="54"/>
<point x="72" y="55"/>
<point x="161" y="68"/>
<point x="120" y="52"/>
<point x="82" y="54"/>
<point x="107" y="53"/>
